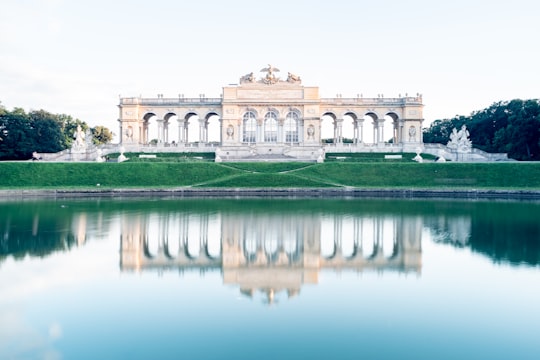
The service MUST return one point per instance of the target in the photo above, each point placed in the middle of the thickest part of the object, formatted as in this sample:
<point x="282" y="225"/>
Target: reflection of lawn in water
<point x="511" y="175"/>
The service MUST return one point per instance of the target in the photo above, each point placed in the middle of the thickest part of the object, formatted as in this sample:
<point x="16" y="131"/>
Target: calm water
<point x="269" y="279"/>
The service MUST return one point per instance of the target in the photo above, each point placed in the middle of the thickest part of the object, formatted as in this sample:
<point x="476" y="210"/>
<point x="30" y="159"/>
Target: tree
<point x="16" y="134"/>
<point x="21" y="134"/>
<point x="101" y="135"/>
<point x="511" y="127"/>
<point x="47" y="132"/>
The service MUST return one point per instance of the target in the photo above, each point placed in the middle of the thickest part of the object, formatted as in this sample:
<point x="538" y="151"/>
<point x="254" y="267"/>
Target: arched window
<point x="291" y="127"/>
<point x="249" y="127"/>
<point x="270" y="127"/>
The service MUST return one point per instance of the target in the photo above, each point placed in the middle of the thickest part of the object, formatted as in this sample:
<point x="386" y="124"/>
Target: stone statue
<point x="230" y="132"/>
<point x="79" y="137"/>
<point x="122" y="157"/>
<point x="453" y="143"/>
<point x="459" y="140"/>
<point x="100" y="158"/>
<point x="412" y="133"/>
<point x="418" y="157"/>
<point x="292" y="78"/>
<point x="270" y="77"/>
<point x="310" y="132"/>
<point x="248" y="78"/>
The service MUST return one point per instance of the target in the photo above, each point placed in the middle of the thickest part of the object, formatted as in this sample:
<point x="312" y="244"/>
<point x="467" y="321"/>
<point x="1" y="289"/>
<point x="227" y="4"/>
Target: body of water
<point x="170" y="278"/>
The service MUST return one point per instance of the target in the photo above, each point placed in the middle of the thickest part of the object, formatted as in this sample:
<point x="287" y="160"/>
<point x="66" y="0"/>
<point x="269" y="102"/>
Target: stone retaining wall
<point x="280" y="192"/>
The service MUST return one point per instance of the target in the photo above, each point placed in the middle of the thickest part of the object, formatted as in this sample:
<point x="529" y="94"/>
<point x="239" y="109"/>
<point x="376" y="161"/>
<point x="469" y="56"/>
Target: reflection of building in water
<point x="271" y="253"/>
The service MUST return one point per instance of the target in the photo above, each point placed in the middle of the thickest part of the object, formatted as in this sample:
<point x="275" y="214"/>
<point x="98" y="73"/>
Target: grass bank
<point x="42" y="175"/>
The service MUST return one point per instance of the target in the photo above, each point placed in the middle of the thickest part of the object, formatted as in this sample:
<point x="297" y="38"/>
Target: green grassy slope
<point x="512" y="175"/>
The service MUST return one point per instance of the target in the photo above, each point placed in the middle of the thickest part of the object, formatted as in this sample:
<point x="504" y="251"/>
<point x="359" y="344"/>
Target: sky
<point x="77" y="57"/>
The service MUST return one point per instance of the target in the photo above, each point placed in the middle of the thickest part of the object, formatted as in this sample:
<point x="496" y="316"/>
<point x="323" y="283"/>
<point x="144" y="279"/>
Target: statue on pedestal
<point x="459" y="140"/>
<point x="79" y="144"/>
<point x="270" y="76"/>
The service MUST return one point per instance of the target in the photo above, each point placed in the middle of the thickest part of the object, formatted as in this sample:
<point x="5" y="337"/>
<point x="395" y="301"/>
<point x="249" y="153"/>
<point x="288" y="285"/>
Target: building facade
<point x="269" y="117"/>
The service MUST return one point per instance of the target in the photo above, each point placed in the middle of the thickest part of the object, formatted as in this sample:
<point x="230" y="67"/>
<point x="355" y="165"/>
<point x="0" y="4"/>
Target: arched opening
<point x="393" y="127"/>
<point x="291" y="126"/>
<point x="348" y="128"/>
<point x="327" y="128"/>
<point x="270" y="127"/>
<point x="370" y="128"/>
<point x="150" y="129"/>
<point x="249" y="127"/>
<point x="213" y="128"/>
<point x="170" y="135"/>
<point x="193" y="128"/>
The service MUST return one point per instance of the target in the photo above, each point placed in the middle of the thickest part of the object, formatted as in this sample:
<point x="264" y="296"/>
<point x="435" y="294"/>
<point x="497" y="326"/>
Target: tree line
<point x="511" y="127"/>
<point x="23" y="133"/>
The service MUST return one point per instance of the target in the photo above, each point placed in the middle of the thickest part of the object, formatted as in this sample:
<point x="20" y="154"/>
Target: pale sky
<point x="77" y="57"/>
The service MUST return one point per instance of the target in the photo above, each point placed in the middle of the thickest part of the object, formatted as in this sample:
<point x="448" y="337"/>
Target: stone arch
<point x="212" y="126"/>
<point x="169" y="123"/>
<point x="191" y="127"/>
<point x="393" y="126"/>
<point x="371" y="127"/>
<point x="149" y="129"/>
<point x="328" y="127"/>
<point x="349" y="127"/>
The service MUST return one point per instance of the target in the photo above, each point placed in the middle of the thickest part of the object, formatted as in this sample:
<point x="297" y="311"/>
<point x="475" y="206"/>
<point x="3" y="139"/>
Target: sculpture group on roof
<point x="270" y="78"/>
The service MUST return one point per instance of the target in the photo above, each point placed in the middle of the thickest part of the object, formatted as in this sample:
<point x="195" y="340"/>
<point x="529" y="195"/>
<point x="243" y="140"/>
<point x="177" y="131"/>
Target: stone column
<point x="122" y="135"/>
<point x="280" y="132"/>
<point x="259" y="133"/>
<point x="375" y="131"/>
<point x="201" y="130"/>
<point x="400" y="132"/>
<point x="380" y="127"/>
<point x="166" y="131"/>
<point x="181" y="139"/>
<point x="160" y="130"/>
<point x="339" y="127"/>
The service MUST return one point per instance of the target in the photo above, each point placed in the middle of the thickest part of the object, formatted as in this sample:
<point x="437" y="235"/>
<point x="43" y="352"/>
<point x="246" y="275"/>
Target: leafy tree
<point x="23" y="133"/>
<point x="512" y="127"/>
<point x="47" y="132"/>
<point x="16" y="134"/>
<point x="101" y="135"/>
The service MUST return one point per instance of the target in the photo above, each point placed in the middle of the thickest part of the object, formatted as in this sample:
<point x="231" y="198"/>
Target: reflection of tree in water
<point x="34" y="232"/>
<point x="507" y="240"/>
<point x="506" y="232"/>
<point x="20" y="244"/>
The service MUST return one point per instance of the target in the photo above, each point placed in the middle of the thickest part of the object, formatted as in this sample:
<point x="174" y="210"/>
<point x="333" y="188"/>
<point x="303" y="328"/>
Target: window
<point x="250" y="127"/>
<point x="291" y="127"/>
<point x="270" y="127"/>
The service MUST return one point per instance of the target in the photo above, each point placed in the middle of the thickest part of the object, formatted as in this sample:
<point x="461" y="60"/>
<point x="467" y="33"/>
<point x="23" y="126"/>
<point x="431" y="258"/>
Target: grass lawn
<point x="369" y="174"/>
